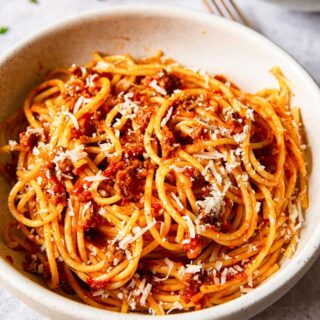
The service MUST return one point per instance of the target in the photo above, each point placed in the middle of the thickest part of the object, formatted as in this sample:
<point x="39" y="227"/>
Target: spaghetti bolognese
<point x="146" y="186"/>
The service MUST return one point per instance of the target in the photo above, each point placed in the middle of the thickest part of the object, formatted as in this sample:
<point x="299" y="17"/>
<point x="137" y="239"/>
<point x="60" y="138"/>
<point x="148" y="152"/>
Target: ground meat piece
<point x="234" y="125"/>
<point x="168" y="143"/>
<point x="225" y="226"/>
<point x="55" y="190"/>
<point x="29" y="140"/>
<point x="143" y="117"/>
<point x="64" y="166"/>
<point x="168" y="82"/>
<point x="200" y="186"/>
<point x="140" y="98"/>
<point x="201" y="133"/>
<point x="130" y="182"/>
<point x="76" y="70"/>
<point x="179" y="111"/>
<point x="190" y="102"/>
<point x="192" y="287"/>
<point x="203" y="191"/>
<point x="157" y="209"/>
<point x="82" y="191"/>
<point x="88" y="124"/>
<point x="75" y="134"/>
<point x="198" y="132"/>
<point x="92" y="218"/>
<point x="31" y="264"/>
<point x="133" y="146"/>
<point x="267" y="156"/>
<point x="191" y="172"/>
<point x="134" y="151"/>
<point x="193" y="248"/>
<point x="96" y="284"/>
<point x="112" y="169"/>
<point x="112" y="254"/>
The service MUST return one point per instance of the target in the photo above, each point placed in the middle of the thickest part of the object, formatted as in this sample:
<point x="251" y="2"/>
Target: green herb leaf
<point x="34" y="1"/>
<point x="4" y="30"/>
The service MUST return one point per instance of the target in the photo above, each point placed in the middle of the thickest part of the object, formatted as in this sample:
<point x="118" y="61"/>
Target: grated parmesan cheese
<point x="192" y="230"/>
<point x="128" y="108"/>
<point x="35" y="130"/>
<point x="225" y="256"/>
<point x="216" y="280"/>
<point x="218" y="265"/>
<point x="12" y="144"/>
<point x="166" y="118"/>
<point x="240" y="137"/>
<point x="258" y="205"/>
<point x="71" y="211"/>
<point x="192" y="268"/>
<point x="245" y="290"/>
<point x="35" y="151"/>
<point x="141" y="286"/>
<point x="272" y="220"/>
<point x="199" y="227"/>
<point x="102" y="66"/>
<point x="129" y="238"/>
<point x="253" y="248"/>
<point x="98" y="293"/>
<point x="85" y="208"/>
<point x="145" y="293"/>
<point x="249" y="114"/>
<point x="214" y="203"/>
<point x="170" y="264"/>
<point x="223" y="278"/>
<point x="179" y="169"/>
<point x="132" y="304"/>
<point x="176" y="306"/>
<point x="161" y="227"/>
<point x="185" y="241"/>
<point x="131" y="284"/>
<point x="90" y="80"/>
<point x="77" y="153"/>
<point x="214" y="155"/>
<point x="177" y="200"/>
<point x="73" y="119"/>
<point x="154" y="85"/>
<point x="238" y="268"/>
<point x="216" y="174"/>
<point x="97" y="177"/>
<point x="78" y="104"/>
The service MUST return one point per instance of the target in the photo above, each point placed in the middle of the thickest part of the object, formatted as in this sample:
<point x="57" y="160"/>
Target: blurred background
<point x="292" y="24"/>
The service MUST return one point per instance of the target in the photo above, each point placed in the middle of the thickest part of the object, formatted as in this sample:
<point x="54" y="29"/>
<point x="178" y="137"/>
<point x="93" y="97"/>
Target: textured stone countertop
<point x="298" y="33"/>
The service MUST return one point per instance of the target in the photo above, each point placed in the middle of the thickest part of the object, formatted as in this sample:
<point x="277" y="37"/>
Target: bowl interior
<point x="210" y="43"/>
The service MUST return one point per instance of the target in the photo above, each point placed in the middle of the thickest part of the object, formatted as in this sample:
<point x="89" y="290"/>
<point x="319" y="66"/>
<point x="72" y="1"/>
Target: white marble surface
<point x="298" y="33"/>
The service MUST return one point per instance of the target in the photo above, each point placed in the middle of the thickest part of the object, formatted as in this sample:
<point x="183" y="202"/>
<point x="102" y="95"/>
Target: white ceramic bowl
<point x="213" y="44"/>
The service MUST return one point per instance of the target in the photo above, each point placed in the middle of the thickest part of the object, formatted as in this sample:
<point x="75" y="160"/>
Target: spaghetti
<point x="146" y="186"/>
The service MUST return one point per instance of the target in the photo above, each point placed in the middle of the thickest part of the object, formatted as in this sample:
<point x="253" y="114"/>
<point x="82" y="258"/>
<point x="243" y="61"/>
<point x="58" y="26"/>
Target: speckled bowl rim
<point x="244" y="306"/>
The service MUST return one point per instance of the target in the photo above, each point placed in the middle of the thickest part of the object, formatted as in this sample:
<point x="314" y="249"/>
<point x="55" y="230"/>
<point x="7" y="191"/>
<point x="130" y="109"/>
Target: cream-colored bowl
<point x="195" y="39"/>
